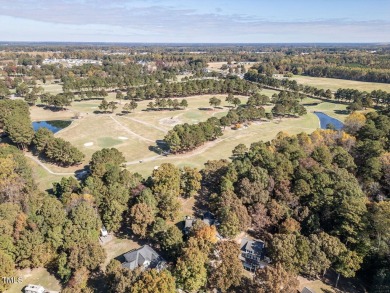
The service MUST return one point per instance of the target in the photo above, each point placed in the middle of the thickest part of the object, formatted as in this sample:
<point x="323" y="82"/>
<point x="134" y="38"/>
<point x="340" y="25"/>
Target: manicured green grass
<point x="108" y="142"/>
<point x="334" y="109"/>
<point x="103" y="131"/>
<point x="334" y="84"/>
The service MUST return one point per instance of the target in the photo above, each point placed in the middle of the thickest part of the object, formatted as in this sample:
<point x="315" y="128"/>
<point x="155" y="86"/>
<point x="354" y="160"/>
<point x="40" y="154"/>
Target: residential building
<point x="208" y="218"/>
<point x="253" y="254"/>
<point x="188" y="224"/>
<point x="144" y="257"/>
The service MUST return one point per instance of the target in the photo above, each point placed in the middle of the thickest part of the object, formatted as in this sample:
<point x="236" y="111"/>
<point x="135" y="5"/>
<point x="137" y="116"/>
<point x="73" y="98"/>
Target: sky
<point x="200" y="21"/>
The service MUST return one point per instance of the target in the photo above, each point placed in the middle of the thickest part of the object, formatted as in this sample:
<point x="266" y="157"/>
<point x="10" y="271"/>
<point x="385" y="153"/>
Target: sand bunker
<point x="170" y="121"/>
<point x="87" y="144"/>
<point x="122" y="137"/>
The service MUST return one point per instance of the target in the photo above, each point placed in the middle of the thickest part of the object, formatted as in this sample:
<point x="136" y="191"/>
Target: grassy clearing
<point x="38" y="113"/>
<point x="316" y="285"/>
<point x="39" y="276"/>
<point x="187" y="209"/>
<point x="334" y="84"/>
<point x="216" y="66"/>
<point x="103" y="131"/>
<point x="333" y="109"/>
<point x="43" y="178"/>
<point x="116" y="247"/>
<point x="53" y="88"/>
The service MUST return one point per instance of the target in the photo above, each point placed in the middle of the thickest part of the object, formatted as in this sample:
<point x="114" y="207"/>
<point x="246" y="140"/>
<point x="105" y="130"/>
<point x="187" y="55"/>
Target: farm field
<point x="135" y="134"/>
<point x="334" y="84"/>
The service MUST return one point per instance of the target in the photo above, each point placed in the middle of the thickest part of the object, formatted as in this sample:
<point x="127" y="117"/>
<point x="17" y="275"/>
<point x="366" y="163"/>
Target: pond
<point x="325" y="120"/>
<point x="53" y="125"/>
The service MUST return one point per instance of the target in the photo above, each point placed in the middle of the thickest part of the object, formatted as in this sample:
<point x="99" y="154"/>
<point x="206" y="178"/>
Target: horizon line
<point x="203" y="43"/>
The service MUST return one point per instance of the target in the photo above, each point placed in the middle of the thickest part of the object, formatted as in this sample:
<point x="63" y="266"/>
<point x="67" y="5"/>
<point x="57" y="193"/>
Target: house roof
<point x="139" y="257"/>
<point x="208" y="218"/>
<point x="252" y="246"/>
<point x="189" y="222"/>
<point x="307" y="290"/>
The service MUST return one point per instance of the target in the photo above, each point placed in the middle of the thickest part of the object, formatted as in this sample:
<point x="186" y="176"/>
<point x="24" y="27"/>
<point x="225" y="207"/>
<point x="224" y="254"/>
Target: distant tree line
<point x="358" y="98"/>
<point x="354" y="73"/>
<point x="344" y="63"/>
<point x="112" y="76"/>
<point x="190" y="88"/>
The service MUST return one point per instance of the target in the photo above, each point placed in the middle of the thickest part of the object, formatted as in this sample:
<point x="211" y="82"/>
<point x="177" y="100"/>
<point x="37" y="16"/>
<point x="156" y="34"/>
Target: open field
<point x="187" y="209"/>
<point x="53" y="88"/>
<point x="39" y="276"/>
<point x="216" y="66"/>
<point x="135" y="134"/>
<point x="334" y="84"/>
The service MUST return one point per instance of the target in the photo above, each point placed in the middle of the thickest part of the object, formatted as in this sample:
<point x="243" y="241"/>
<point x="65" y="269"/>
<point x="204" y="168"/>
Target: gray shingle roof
<point x="188" y="223"/>
<point x="208" y="218"/>
<point x="141" y="257"/>
<point x="307" y="290"/>
<point x="252" y="246"/>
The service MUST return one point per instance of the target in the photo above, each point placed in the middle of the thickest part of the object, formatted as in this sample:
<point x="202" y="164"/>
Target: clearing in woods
<point x="38" y="276"/>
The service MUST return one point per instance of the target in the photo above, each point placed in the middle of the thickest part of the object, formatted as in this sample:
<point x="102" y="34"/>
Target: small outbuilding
<point x="188" y="224"/>
<point x="103" y="232"/>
